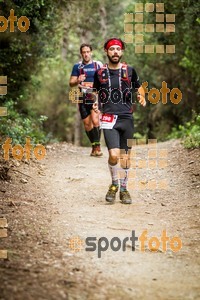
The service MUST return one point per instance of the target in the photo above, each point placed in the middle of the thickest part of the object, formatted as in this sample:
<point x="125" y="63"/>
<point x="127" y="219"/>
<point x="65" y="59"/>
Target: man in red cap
<point x="115" y="82"/>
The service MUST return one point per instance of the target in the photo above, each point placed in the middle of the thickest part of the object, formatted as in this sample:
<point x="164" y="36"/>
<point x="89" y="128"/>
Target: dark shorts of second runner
<point x="86" y="106"/>
<point x="118" y="136"/>
<point x="85" y="110"/>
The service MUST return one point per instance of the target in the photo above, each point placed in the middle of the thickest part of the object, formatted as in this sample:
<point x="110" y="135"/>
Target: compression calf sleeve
<point x="99" y="130"/>
<point x="90" y="135"/>
<point x="96" y="134"/>
<point x="123" y="179"/>
<point x="114" y="173"/>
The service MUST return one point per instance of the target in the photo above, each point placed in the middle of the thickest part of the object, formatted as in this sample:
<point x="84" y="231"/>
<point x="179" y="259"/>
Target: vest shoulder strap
<point x="125" y="72"/>
<point x="102" y="73"/>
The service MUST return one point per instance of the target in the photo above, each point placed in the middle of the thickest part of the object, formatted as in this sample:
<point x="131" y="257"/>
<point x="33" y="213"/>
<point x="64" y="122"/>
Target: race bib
<point x="108" y="121"/>
<point x="86" y="86"/>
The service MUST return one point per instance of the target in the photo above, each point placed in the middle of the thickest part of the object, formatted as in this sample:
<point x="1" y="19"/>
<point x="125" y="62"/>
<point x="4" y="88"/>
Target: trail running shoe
<point x="125" y="197"/>
<point x="93" y="153"/>
<point x="111" y="194"/>
<point x="98" y="150"/>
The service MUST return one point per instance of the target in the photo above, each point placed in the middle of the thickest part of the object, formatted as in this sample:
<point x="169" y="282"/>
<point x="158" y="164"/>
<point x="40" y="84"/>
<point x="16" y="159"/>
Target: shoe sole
<point x="110" y="201"/>
<point x="126" y="202"/>
<point x="96" y="155"/>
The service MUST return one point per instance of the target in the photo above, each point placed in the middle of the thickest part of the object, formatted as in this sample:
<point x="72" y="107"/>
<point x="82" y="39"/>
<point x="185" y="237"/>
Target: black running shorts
<point x="85" y="110"/>
<point x="118" y="136"/>
<point x="86" y="106"/>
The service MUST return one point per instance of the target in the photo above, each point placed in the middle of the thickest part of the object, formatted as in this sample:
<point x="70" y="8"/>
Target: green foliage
<point x="180" y="70"/>
<point x="192" y="141"/>
<point x="18" y="127"/>
<point x="22" y="59"/>
<point x="189" y="132"/>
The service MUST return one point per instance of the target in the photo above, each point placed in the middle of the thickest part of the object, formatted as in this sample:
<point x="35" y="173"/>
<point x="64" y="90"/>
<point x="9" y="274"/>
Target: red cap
<point x="114" y="42"/>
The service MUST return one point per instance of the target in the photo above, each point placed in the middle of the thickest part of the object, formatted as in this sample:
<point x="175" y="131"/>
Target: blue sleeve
<point x="75" y="71"/>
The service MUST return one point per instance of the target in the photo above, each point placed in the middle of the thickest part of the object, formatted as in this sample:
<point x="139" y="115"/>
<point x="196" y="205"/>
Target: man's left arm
<point x="141" y="96"/>
<point x="96" y="87"/>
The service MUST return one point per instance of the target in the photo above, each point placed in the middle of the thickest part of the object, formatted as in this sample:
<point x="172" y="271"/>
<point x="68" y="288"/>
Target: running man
<point x="114" y="83"/>
<point x="83" y="76"/>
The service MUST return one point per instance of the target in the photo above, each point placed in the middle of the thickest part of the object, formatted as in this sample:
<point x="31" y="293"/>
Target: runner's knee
<point x="95" y="119"/>
<point x="88" y="127"/>
<point x="87" y="123"/>
<point x="96" y="123"/>
<point x="113" y="160"/>
<point x="113" y="157"/>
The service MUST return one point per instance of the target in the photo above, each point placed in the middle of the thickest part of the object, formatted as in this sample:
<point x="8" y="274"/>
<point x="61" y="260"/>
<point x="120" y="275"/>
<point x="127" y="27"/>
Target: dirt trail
<point x="62" y="197"/>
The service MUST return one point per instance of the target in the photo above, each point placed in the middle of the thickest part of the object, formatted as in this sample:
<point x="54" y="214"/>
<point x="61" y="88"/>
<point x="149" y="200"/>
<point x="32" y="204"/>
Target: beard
<point x="115" y="59"/>
<point x="86" y="60"/>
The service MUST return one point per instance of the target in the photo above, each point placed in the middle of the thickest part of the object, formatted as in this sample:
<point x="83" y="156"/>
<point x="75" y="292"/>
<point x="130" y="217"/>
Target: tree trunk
<point x="103" y="23"/>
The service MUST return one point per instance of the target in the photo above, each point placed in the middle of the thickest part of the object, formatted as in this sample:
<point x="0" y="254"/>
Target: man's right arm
<point x="76" y="78"/>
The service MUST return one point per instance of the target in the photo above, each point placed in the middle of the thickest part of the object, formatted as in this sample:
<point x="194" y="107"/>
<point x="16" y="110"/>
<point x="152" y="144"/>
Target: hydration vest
<point x="81" y="70"/>
<point x="103" y="74"/>
<point x="125" y="80"/>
